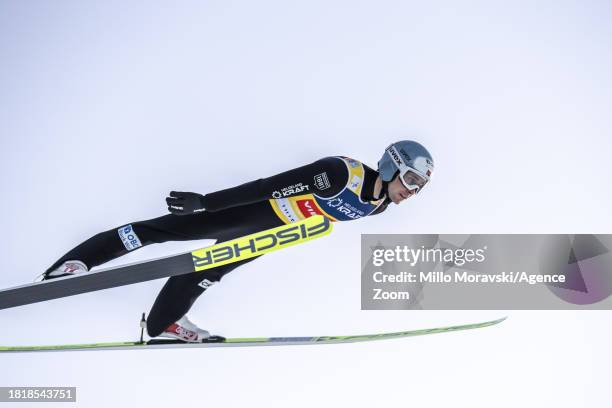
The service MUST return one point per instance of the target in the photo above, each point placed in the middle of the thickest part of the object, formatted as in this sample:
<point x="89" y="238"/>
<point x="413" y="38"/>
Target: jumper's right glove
<point x="182" y="203"/>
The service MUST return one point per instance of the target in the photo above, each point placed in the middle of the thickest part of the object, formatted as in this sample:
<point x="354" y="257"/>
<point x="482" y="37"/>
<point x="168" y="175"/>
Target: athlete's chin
<point x="397" y="200"/>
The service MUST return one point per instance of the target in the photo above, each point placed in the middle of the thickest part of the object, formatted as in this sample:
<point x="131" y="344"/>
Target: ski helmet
<point x="410" y="160"/>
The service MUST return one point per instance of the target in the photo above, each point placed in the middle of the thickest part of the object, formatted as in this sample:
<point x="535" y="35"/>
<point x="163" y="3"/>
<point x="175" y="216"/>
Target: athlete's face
<point x="398" y="192"/>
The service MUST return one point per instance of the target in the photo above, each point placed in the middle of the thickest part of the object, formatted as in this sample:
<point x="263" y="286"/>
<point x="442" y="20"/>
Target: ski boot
<point x="68" y="268"/>
<point x="186" y="331"/>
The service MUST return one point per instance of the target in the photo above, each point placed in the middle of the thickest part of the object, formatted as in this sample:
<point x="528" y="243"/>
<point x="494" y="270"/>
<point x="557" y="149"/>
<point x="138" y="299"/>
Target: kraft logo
<point x="291" y="190"/>
<point x="259" y="244"/>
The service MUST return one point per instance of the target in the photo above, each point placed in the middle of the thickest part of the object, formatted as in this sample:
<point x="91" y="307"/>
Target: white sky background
<point x="107" y="106"/>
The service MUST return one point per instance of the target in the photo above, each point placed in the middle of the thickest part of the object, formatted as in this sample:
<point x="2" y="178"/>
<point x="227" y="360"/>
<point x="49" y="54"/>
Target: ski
<point x="247" y="342"/>
<point x="201" y="259"/>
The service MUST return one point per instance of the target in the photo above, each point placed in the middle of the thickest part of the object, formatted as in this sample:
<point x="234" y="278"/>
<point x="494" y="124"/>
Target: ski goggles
<point x="412" y="180"/>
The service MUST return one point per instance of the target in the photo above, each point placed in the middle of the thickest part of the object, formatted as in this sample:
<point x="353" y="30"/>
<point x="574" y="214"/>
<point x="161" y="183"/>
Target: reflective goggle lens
<point x="413" y="181"/>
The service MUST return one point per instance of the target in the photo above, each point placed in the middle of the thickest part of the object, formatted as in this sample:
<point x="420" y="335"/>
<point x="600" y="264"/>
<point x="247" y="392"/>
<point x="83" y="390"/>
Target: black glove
<point x="180" y="203"/>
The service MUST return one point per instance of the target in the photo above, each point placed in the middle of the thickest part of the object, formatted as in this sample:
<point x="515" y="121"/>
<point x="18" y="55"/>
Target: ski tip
<point x="497" y="321"/>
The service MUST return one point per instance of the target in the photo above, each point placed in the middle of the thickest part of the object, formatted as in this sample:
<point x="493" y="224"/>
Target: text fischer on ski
<point x="339" y="188"/>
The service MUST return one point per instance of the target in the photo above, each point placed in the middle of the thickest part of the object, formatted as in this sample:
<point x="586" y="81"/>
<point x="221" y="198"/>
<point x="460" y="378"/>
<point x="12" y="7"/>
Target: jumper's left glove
<point x="182" y="203"/>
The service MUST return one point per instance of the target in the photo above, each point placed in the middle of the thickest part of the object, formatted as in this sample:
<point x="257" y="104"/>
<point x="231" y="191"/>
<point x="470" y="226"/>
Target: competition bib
<point x="344" y="206"/>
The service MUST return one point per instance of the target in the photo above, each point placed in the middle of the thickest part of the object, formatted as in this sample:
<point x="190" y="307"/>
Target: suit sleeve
<point x="325" y="177"/>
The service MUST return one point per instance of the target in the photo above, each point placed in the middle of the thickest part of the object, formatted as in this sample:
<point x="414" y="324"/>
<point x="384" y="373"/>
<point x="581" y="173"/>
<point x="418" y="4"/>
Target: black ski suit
<point x="229" y="214"/>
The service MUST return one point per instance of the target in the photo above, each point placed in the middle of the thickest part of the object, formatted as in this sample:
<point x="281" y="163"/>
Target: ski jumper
<point x="338" y="188"/>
